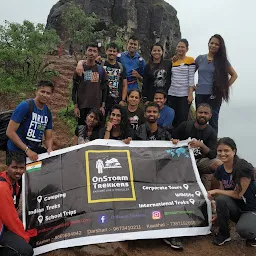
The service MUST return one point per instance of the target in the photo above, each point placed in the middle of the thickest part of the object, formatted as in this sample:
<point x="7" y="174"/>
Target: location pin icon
<point x="198" y="193"/>
<point x="39" y="199"/>
<point x="40" y="219"/>
<point x="186" y="186"/>
<point x="192" y="201"/>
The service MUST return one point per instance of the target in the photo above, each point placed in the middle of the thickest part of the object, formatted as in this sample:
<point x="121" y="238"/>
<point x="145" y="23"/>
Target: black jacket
<point x="144" y="133"/>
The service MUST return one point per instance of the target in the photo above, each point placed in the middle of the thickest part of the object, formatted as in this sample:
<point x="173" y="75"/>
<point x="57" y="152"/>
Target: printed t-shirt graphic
<point x="32" y="129"/>
<point x="115" y="77"/>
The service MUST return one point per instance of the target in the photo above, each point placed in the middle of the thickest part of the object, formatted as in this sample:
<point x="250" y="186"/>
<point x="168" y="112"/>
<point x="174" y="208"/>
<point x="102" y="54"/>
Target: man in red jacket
<point x="13" y="238"/>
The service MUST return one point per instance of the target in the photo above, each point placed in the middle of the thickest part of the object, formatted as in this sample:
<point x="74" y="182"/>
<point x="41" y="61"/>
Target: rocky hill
<point x="149" y="20"/>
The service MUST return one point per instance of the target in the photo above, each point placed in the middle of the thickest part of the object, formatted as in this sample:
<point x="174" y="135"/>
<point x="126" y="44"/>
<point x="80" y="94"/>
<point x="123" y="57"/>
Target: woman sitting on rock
<point x="93" y="123"/>
<point x="118" y="127"/>
<point x="236" y="199"/>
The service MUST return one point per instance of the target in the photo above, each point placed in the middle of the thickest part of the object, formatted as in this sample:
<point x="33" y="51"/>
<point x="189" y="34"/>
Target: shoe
<point x="219" y="239"/>
<point x="251" y="242"/>
<point x="174" y="242"/>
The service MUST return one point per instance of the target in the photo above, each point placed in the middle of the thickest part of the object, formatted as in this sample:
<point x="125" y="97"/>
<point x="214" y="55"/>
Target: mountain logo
<point x="111" y="163"/>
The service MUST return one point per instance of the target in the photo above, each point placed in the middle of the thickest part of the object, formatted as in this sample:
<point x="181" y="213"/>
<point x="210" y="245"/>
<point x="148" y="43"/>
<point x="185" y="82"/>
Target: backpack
<point x="101" y="71"/>
<point x="16" y="197"/>
<point x="4" y="121"/>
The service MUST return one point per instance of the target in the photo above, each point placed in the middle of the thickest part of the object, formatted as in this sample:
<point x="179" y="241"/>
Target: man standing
<point x="13" y="237"/>
<point x="30" y="121"/>
<point x="90" y="88"/>
<point x="117" y="82"/>
<point x="166" y="113"/>
<point x="133" y="63"/>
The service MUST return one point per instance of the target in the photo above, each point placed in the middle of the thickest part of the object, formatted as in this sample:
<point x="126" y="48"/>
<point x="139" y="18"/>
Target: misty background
<point x="199" y="20"/>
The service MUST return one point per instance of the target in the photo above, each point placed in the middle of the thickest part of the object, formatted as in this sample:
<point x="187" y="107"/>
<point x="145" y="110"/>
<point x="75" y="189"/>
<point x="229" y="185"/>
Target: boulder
<point x="149" y="20"/>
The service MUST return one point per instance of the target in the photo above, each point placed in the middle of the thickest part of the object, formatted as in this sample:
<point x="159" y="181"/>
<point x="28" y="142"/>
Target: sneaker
<point x="251" y="242"/>
<point x="174" y="242"/>
<point x="219" y="239"/>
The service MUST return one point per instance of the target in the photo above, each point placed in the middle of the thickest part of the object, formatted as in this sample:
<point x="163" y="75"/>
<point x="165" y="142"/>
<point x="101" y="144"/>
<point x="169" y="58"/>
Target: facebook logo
<point x="102" y="219"/>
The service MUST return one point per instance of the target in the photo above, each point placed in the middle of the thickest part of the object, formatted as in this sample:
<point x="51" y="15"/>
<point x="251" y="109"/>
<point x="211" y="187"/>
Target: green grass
<point x="67" y="115"/>
<point x="14" y="85"/>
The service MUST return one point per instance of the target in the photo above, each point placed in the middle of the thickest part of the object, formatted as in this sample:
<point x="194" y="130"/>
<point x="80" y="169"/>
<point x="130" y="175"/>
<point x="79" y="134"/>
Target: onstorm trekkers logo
<point x="109" y="176"/>
<point x="109" y="163"/>
<point x="102" y="219"/>
<point x="156" y="215"/>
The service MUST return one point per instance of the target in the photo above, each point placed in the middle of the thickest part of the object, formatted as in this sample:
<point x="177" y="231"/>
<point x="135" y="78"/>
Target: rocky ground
<point x="194" y="246"/>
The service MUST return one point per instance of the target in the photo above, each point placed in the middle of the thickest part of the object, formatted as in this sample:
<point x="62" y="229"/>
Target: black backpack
<point x="15" y="196"/>
<point x="4" y="121"/>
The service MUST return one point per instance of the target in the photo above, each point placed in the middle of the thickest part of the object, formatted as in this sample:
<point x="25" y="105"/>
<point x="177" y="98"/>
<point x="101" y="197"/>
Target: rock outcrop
<point x="149" y="20"/>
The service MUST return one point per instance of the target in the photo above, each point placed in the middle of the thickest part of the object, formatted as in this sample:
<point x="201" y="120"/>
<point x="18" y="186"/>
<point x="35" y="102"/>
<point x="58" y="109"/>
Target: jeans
<point x="181" y="108"/>
<point x="227" y="209"/>
<point x="14" y="245"/>
<point x="215" y="105"/>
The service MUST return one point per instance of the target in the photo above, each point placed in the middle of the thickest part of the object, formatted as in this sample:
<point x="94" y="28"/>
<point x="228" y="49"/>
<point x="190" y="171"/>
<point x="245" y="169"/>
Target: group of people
<point x="123" y="98"/>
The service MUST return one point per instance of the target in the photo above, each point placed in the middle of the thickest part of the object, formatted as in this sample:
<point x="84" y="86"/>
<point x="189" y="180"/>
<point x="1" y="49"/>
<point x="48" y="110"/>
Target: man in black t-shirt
<point x="117" y="81"/>
<point x="204" y="139"/>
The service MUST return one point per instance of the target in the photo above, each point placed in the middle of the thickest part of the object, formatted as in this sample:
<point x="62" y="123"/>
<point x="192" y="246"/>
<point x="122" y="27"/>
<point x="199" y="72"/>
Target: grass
<point x="67" y="116"/>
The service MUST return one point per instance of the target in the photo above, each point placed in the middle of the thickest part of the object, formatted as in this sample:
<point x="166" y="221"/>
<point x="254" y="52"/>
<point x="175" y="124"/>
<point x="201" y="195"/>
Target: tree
<point x="23" y="50"/>
<point x="80" y="29"/>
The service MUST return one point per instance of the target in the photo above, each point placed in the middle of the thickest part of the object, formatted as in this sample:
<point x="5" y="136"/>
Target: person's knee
<point x="215" y="165"/>
<point x="245" y="231"/>
<point x="221" y="200"/>
<point x="27" y="250"/>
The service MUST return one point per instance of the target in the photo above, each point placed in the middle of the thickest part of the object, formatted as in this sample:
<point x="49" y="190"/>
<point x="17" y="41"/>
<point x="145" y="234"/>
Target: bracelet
<point x="123" y="101"/>
<point x="108" y="130"/>
<point x="26" y="149"/>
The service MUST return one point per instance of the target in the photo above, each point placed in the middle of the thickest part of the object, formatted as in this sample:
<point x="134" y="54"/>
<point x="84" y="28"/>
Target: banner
<point x="106" y="191"/>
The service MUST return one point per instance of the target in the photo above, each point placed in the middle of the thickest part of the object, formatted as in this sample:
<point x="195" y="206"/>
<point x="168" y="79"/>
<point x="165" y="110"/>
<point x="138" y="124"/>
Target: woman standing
<point x="180" y="93"/>
<point x="135" y="113"/>
<point x="118" y="127"/>
<point x="157" y="73"/>
<point x="236" y="199"/>
<point x="215" y="76"/>
<point x="93" y="123"/>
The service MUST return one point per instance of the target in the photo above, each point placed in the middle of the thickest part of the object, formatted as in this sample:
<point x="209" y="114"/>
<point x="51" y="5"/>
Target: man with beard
<point x="204" y="139"/>
<point x="204" y="145"/>
<point x="150" y="130"/>
<point x="13" y="238"/>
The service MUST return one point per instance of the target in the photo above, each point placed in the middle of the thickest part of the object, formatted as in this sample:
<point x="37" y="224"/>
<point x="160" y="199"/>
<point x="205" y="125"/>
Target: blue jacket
<point x="166" y="117"/>
<point x="132" y="63"/>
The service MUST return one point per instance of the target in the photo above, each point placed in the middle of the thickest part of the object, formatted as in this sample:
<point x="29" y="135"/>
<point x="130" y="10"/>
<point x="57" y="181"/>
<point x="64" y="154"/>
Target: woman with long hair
<point x="180" y="93"/>
<point x="117" y="127"/>
<point x="215" y="76"/>
<point x="157" y="73"/>
<point x="236" y="198"/>
<point x="134" y="111"/>
<point x="93" y="123"/>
